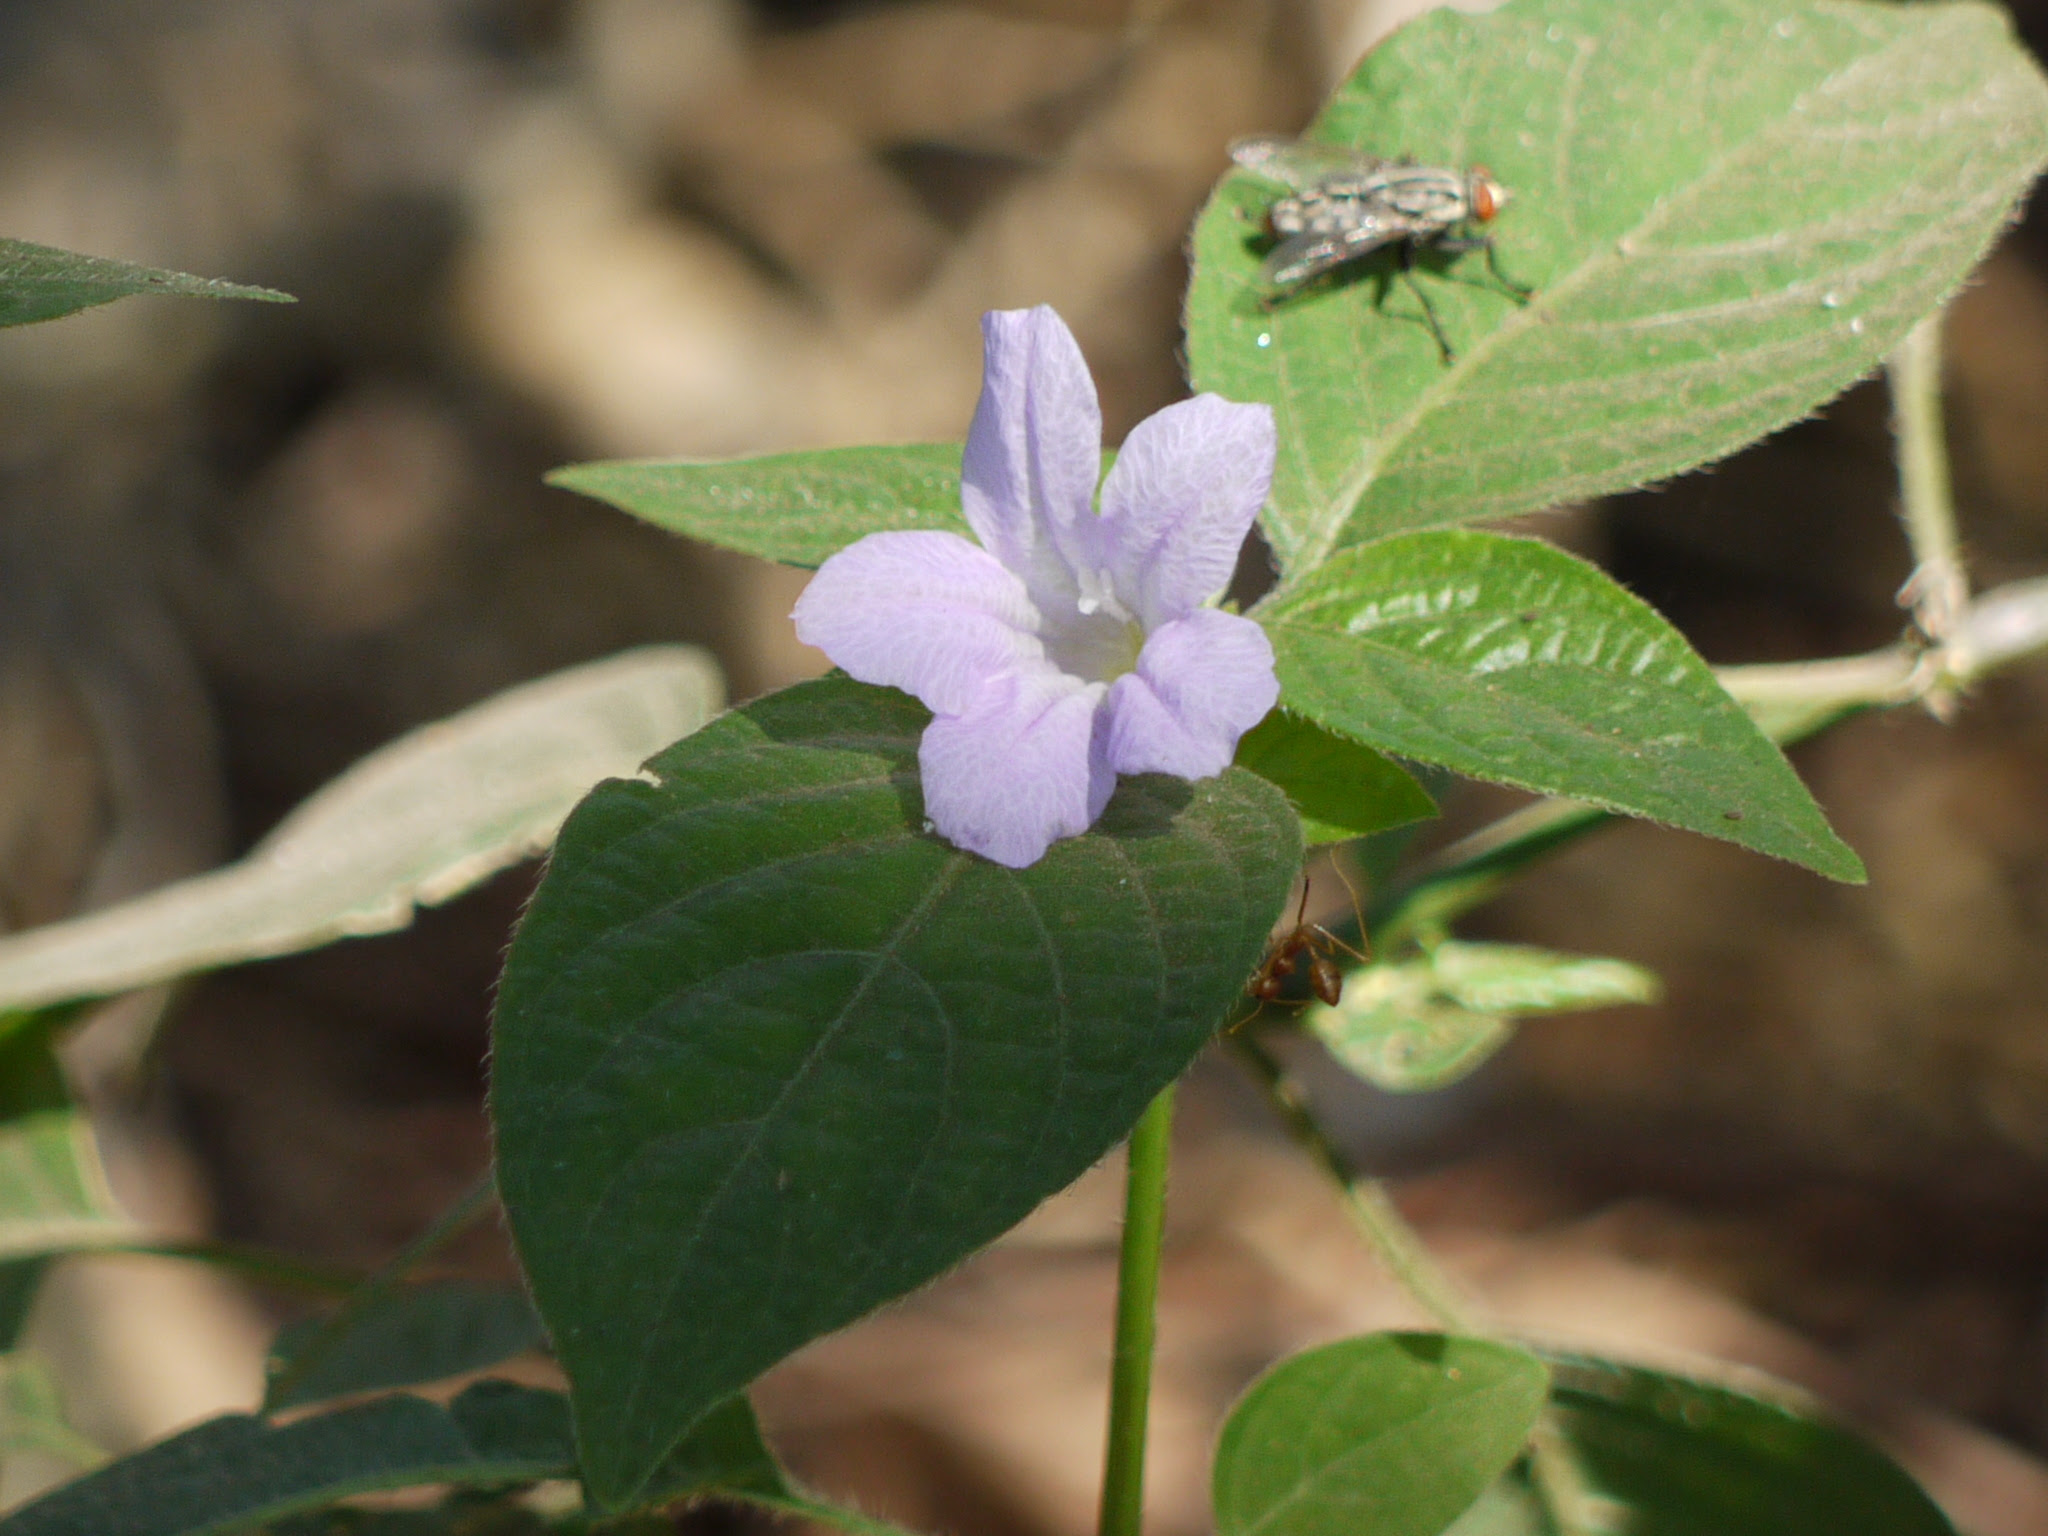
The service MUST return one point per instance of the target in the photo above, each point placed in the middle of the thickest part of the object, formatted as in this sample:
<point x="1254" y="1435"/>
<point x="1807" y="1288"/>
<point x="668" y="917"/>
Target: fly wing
<point x="1301" y="257"/>
<point x="1301" y="164"/>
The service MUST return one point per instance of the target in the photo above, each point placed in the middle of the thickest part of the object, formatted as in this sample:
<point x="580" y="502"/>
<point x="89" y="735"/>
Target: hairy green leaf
<point x="40" y="282"/>
<point x="1510" y="660"/>
<point x="768" y="1053"/>
<point x="793" y="507"/>
<point x="1394" y="1434"/>
<point x="1341" y="788"/>
<point x="1730" y="210"/>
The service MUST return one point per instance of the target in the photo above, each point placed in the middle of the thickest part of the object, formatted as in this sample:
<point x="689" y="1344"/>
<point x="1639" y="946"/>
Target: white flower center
<point x="1097" y="642"/>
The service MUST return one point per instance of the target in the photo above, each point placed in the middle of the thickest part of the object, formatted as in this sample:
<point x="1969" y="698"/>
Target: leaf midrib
<point x="1312" y="553"/>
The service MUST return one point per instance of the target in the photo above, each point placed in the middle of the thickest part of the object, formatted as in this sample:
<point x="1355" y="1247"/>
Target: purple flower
<point x="1066" y="647"/>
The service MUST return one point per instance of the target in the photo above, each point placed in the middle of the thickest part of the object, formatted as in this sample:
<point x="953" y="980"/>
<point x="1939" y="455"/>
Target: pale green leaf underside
<point x="797" y="508"/>
<point x="1730" y="210"/>
<point x="1414" y="1025"/>
<point x="40" y="282"/>
<point x="1392" y="1434"/>
<point x="415" y="823"/>
<point x="769" y="1054"/>
<point x="1509" y="660"/>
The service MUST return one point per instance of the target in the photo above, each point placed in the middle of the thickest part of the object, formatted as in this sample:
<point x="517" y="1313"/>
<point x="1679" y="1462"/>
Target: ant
<point x="1304" y="940"/>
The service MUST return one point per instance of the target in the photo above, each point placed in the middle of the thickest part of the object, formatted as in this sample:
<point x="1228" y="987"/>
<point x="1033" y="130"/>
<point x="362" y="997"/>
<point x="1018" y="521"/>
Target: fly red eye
<point x="1486" y="198"/>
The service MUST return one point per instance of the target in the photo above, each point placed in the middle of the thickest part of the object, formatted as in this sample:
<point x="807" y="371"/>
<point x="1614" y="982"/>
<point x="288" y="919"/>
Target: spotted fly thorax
<point x="1342" y="204"/>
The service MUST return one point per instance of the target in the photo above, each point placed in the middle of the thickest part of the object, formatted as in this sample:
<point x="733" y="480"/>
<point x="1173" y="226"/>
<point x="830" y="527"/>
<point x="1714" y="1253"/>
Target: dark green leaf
<point x="412" y="1334"/>
<point x="793" y="507"/>
<point x="1507" y="659"/>
<point x="1730" y="210"/>
<point x="1341" y="788"/>
<point x="1393" y="1434"/>
<point x="768" y="1054"/>
<point x="39" y="282"/>
<point x="1672" y="1457"/>
<point x="237" y="1472"/>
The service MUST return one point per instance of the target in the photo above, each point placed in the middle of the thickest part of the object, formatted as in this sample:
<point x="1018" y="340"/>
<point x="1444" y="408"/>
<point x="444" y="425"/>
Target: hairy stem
<point x="1938" y="590"/>
<point x="1365" y="1201"/>
<point x="1137" y="1300"/>
<point x="1560" y="1481"/>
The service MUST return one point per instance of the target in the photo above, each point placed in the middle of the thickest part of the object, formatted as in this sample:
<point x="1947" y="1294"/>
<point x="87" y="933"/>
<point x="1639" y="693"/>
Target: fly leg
<point x="1436" y="328"/>
<point x="1519" y="292"/>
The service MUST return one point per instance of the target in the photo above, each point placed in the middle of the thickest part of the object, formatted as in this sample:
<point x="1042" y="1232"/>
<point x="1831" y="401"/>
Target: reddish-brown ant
<point x="1304" y="941"/>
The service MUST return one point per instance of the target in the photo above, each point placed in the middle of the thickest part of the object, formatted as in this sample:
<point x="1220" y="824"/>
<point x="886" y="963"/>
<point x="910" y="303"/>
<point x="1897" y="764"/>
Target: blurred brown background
<point x="240" y="546"/>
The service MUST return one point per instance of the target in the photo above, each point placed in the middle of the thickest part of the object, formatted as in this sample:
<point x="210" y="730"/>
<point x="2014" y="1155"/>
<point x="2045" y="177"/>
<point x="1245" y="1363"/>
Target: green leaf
<point x="1413" y="1025"/>
<point x="1668" y="1456"/>
<point x="1510" y="660"/>
<point x="793" y="507"/>
<point x="768" y="1054"/>
<point x="32" y="1417"/>
<point x="412" y="1334"/>
<point x="1730" y="211"/>
<point x="39" y="282"/>
<point x="1393" y="1028"/>
<point x="1521" y="979"/>
<point x="235" y="1473"/>
<point x="417" y="822"/>
<point x="1340" y="788"/>
<point x="53" y="1191"/>
<point x="1394" y="1433"/>
<point x="238" y="1473"/>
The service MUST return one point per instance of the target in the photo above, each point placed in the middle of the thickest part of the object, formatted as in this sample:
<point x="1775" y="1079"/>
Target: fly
<point x="1344" y="204"/>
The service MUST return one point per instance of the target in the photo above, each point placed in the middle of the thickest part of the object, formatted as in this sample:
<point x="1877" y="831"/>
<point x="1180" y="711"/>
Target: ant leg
<point x="1362" y="956"/>
<point x="1436" y="328"/>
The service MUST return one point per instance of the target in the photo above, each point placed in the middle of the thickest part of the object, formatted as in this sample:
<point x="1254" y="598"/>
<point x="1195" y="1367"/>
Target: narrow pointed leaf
<point x="1730" y="210"/>
<point x="40" y="282"/>
<point x="768" y="1054"/>
<point x="1341" y="788"/>
<point x="1395" y="1433"/>
<point x="797" y="508"/>
<point x="238" y="1473"/>
<point x="417" y="822"/>
<point x="1510" y="660"/>
<point x="416" y="1333"/>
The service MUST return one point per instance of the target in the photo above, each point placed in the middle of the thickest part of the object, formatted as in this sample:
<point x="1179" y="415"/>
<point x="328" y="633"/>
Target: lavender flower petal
<point x="923" y="611"/>
<point x="1027" y="479"/>
<point x="1024" y="768"/>
<point x="1201" y="683"/>
<point x="1180" y="499"/>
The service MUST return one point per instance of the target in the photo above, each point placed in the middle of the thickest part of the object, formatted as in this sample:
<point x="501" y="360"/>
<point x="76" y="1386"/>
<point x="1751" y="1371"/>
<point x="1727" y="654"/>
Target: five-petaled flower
<point x="1067" y="647"/>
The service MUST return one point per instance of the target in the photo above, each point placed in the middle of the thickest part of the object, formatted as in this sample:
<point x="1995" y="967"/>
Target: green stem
<point x="1365" y="1201"/>
<point x="1560" y="1481"/>
<point x="1137" y="1299"/>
